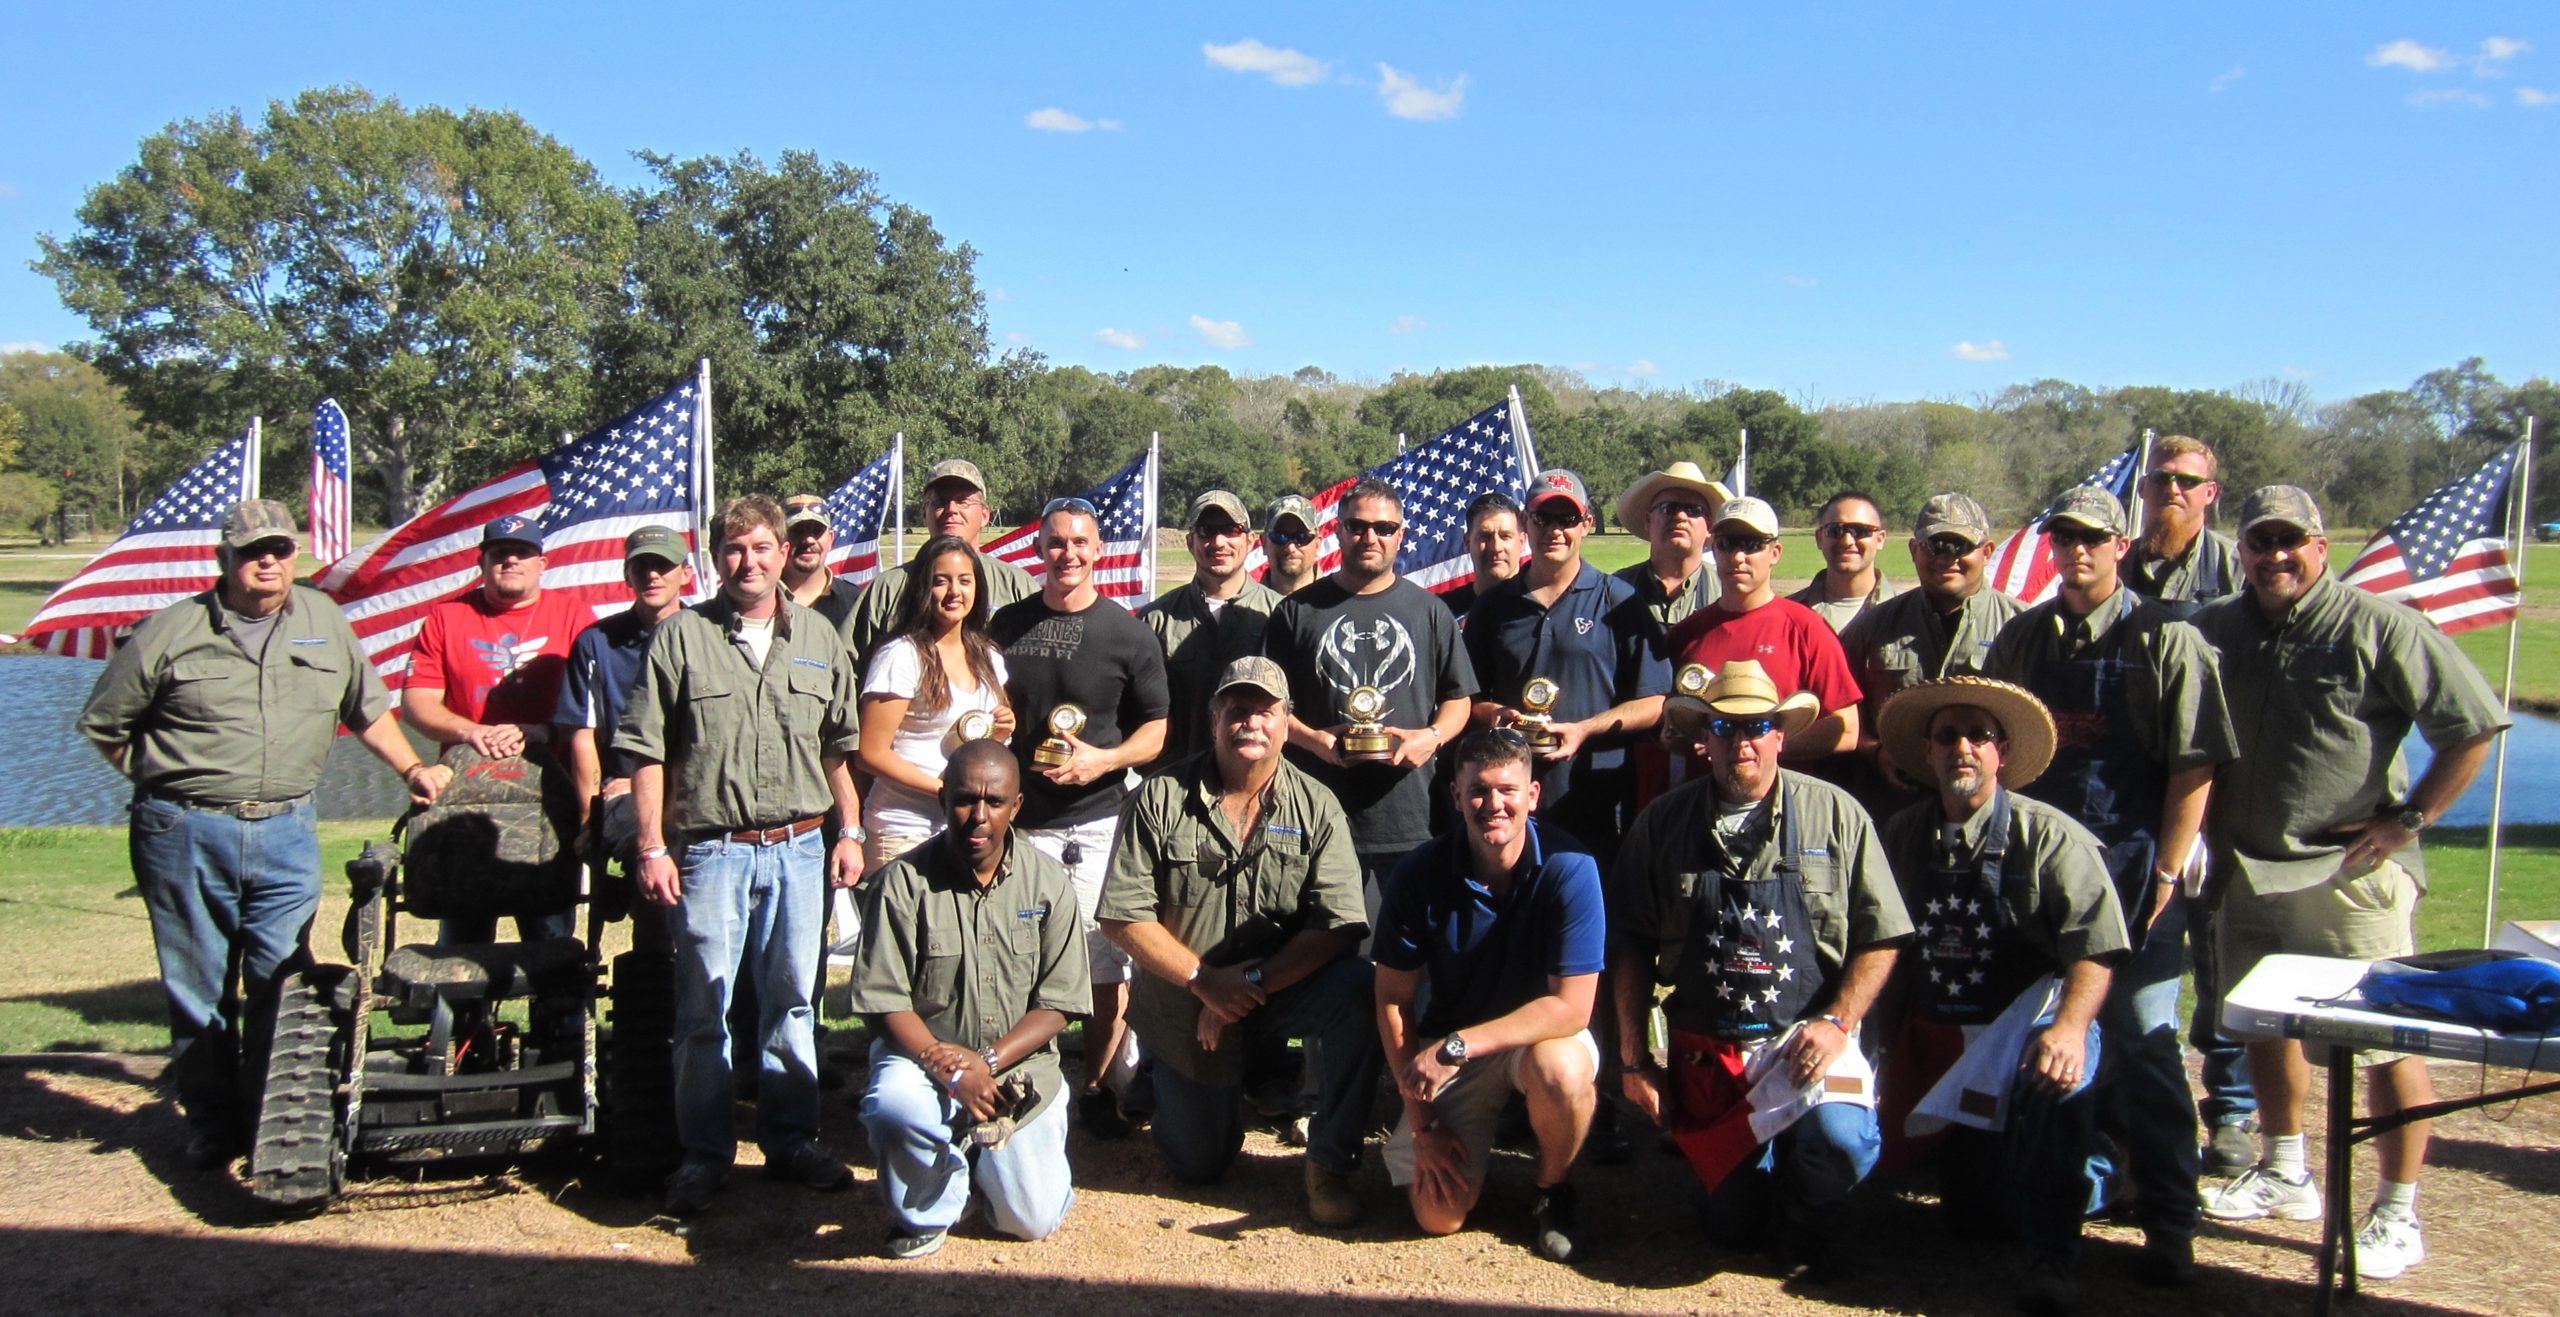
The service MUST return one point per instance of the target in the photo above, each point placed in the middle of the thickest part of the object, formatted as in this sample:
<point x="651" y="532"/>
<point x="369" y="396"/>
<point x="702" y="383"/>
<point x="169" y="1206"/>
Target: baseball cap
<point x="253" y="520"/>
<point x="1221" y="501"/>
<point x="1555" y="482"/>
<point x="804" y="507"/>
<point x="2290" y="504"/>
<point x="1747" y="511"/>
<point x="2090" y="507"/>
<point x="1254" y="670"/>
<point x="1953" y="514"/>
<point x="659" y="542"/>
<point x="1293" y="506"/>
<point x="512" y="529"/>
<point x="957" y="468"/>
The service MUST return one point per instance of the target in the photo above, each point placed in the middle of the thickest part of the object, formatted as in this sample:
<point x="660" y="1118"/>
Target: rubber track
<point x="295" y="1166"/>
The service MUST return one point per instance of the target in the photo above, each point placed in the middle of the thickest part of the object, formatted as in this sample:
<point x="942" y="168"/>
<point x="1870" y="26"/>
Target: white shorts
<point x="1110" y="963"/>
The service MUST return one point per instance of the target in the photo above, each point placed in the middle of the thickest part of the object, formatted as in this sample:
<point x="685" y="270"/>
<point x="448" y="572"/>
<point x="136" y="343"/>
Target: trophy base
<point x="1542" y="742"/>
<point x="1050" y="754"/>
<point x="1368" y="747"/>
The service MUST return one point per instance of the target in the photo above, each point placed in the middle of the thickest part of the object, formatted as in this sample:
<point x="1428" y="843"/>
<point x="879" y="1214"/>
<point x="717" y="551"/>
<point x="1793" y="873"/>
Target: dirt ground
<point x="99" y="1212"/>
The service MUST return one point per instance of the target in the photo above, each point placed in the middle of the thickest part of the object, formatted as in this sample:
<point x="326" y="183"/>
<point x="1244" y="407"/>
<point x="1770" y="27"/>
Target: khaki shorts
<point x="1469" y="1108"/>
<point x="2373" y="917"/>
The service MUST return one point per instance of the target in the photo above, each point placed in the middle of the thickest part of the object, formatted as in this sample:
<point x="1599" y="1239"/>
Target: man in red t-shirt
<point x="487" y="668"/>
<point x="1788" y="640"/>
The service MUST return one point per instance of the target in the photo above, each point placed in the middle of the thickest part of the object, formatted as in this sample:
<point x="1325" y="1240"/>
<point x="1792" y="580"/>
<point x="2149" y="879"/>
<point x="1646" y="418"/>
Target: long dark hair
<point x="915" y="624"/>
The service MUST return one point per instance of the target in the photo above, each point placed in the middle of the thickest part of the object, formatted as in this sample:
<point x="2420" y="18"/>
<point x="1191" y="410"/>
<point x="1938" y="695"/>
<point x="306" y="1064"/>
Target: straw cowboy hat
<point x="1637" y="503"/>
<point x="1904" y="725"/>
<point x="1741" y="690"/>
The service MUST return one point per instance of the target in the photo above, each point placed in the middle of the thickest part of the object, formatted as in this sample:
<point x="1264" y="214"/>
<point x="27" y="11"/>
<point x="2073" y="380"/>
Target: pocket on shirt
<point x="319" y="680"/>
<point x="937" y="986"/>
<point x="207" y="690"/>
<point x="811" y="691"/>
<point x="1186" y="884"/>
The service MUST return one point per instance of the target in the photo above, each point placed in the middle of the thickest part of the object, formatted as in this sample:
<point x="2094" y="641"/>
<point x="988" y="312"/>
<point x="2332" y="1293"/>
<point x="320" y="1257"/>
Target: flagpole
<point x="704" y="489"/>
<point x="257" y="459"/>
<point x="1521" y="442"/>
<point x="1155" y="471"/>
<point x="2520" y="516"/>
<point x="2141" y="468"/>
<point x="898" y="492"/>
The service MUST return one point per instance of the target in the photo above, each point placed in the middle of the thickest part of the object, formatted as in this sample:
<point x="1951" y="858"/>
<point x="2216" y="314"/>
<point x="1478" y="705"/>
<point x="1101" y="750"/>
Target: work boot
<point x="1331" y="1200"/>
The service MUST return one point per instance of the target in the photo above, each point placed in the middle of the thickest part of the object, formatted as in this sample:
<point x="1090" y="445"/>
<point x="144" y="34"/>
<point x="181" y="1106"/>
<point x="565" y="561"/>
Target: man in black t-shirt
<point x="1359" y="627"/>
<point x="1067" y="645"/>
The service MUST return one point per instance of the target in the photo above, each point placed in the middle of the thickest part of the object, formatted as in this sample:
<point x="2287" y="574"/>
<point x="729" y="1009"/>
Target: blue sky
<point x="1849" y="203"/>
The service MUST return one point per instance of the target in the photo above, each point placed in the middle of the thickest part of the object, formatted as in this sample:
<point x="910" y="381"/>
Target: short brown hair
<point x="747" y="512"/>
<point x="2187" y="445"/>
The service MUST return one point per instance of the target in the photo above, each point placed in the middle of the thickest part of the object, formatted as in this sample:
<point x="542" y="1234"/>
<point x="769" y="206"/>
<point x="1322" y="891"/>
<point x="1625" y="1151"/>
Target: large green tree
<point x="438" y="272"/>
<point x="75" y="434"/>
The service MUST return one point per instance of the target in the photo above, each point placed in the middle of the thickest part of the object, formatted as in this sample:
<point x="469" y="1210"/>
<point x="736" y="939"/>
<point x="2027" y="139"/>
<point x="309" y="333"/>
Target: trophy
<point x="1687" y="711"/>
<point x="975" y="725"/>
<point x="1064" y="721"/>
<point x="1537" y="718"/>
<point x="1367" y="741"/>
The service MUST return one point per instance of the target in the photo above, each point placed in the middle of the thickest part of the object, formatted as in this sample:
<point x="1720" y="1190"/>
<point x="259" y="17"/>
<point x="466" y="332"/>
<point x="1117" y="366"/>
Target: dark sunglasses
<point x="1946" y="737"/>
<point x="2079" y="536"/>
<point x="1744" y="544"/>
<point x="2269" y="541"/>
<point x="278" y="549"/>
<point x="1069" y="504"/>
<point x="1385" y="530"/>
<point x="1556" y="518"/>
<point x="2181" y="479"/>
<point x="1743" y="729"/>
<point x="1949" y="547"/>
<point x="1850" y="530"/>
<point x="1677" y="508"/>
<point x="1220" y="530"/>
<point x="1291" y="538"/>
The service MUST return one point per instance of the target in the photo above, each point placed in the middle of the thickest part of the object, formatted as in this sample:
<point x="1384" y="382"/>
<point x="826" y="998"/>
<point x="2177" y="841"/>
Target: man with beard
<point x="1942" y="629"/>
<point x="809" y="536"/>
<point x="1234" y="886"/>
<point x="1082" y="674"/>
<point x="1208" y="622"/>
<point x="972" y="959"/>
<point x="2179" y="559"/>
<point x="2018" y="925"/>
<point x="1761" y="899"/>
<point x="1850" y="532"/>
<point x="1494" y="545"/>
<point x="1290" y="547"/>
<point x="956" y="503"/>
<point x="2136" y="698"/>
<point x="2315" y="828"/>
<point x="1364" y="628"/>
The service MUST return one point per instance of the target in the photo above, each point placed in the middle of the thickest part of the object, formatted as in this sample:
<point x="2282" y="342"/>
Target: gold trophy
<point x="1366" y="741"/>
<point x="1687" y="710"/>
<point x="1064" y="721"/>
<point x="1537" y="717"/>
<point x="975" y="725"/>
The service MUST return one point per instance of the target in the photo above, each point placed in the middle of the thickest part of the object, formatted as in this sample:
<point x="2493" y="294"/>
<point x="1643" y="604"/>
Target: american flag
<point x="165" y="555"/>
<point x="643" y="468"/>
<point x="2447" y="557"/>
<point x="1488" y="451"/>
<point x="1127" y="504"/>
<point x="2023" y="565"/>
<point x="860" y="511"/>
<point x="332" y="505"/>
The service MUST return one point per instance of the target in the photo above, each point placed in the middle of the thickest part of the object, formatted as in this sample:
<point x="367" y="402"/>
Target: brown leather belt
<point x="772" y="836"/>
<point x="246" y="810"/>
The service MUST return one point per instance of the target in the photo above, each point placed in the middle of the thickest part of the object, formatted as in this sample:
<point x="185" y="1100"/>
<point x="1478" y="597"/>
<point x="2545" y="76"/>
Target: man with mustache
<point x="972" y="959"/>
<point x="2315" y="828"/>
<point x="1234" y="886"/>
<point x="957" y="502"/>
<point x="2018" y="928"/>
<point x="1943" y="628"/>
<point x="1209" y="621"/>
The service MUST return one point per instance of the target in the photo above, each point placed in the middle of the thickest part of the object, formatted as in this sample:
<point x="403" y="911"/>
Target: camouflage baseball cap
<point x="1953" y="514"/>
<point x="659" y="542"/>
<point x="512" y="529"/>
<point x="2290" y="504"/>
<point x="1219" y="500"/>
<point x="1293" y="506"/>
<point x="2087" y="506"/>
<point x="804" y="507"/>
<point x="1754" y="513"/>
<point x="958" y="468"/>
<point x="257" y="519"/>
<point x="1253" y="670"/>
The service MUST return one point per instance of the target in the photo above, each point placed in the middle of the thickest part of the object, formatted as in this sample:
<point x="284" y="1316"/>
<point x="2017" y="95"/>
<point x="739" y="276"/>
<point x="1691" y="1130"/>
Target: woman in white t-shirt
<point x="936" y="668"/>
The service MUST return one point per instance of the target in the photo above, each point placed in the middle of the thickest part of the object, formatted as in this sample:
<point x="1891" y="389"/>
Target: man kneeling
<point x="1504" y="920"/>
<point x="972" y="959"/>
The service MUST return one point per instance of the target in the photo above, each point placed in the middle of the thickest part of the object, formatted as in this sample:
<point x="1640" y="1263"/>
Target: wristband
<point x="988" y="1055"/>
<point x="1836" y="1022"/>
<point x="653" y="853"/>
<point x="413" y="770"/>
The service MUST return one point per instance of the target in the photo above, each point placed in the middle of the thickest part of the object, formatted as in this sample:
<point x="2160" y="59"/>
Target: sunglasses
<point x="1675" y="508"/>
<point x="1385" y="530"/>
<point x="1742" y="729"/>
<point x="2184" y="481"/>
<point x="1069" y="504"/>
<point x="1850" y="530"/>
<point x="1744" y="545"/>
<point x="1946" y="737"/>
<point x="1291" y="538"/>
<point x="2269" y="541"/>
<point x="2077" y="536"/>
<point x="1223" y="530"/>
<point x="1949" y="547"/>
<point x="1556" y="518"/>
<point x="955" y="500"/>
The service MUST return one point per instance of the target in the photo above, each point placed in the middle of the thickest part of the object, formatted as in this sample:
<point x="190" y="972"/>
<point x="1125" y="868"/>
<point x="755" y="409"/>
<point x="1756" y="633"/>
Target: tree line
<point x="469" y="289"/>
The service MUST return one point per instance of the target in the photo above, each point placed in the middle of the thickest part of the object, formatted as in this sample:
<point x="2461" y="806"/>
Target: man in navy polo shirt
<point x="1505" y="923"/>
<point x="604" y="665"/>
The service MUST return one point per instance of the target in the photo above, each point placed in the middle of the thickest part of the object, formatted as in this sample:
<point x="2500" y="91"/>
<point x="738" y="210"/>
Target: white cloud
<point x="1017" y="336"/>
<point x="2407" y="54"/>
<point x="1408" y="324"/>
<point x="1051" y="119"/>
<point x="2536" y="96"/>
<point x="998" y="295"/>
<point x="2299" y="372"/>
<point x="1798" y="280"/>
<point x="24" y="345"/>
<point x="1990" y="349"/>
<point x="2496" y="51"/>
<point x="2222" y="81"/>
<point x="1643" y="366"/>
<point x="1119" y="338"/>
<point x="1407" y="98"/>
<point x="7" y="190"/>
<point x="2449" y="96"/>
<point x="1286" y="67"/>
<point x="1221" y="333"/>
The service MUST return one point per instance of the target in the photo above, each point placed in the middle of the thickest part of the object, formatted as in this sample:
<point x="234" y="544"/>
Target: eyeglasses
<point x="1556" y="518"/>
<point x="1947" y="546"/>
<point x="1743" y="729"/>
<point x="2270" y="541"/>
<point x="1223" y="530"/>
<point x="2077" y="536"/>
<point x="1291" y="538"/>
<point x="1744" y="545"/>
<point x="1670" y="507"/>
<point x="1069" y="504"/>
<point x="279" y="550"/>
<point x="1946" y="737"/>
<point x="1850" y="530"/>
<point x="1385" y="530"/>
<point x="2184" y="481"/>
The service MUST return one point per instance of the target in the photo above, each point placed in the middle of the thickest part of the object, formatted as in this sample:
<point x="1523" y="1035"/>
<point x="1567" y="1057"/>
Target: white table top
<point x="2311" y="998"/>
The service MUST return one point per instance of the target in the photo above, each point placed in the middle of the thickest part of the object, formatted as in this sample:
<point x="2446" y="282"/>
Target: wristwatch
<point x="1253" y="975"/>
<point x="856" y="835"/>
<point x="2414" y="819"/>
<point x="988" y="1055"/>
<point x="1453" y="1050"/>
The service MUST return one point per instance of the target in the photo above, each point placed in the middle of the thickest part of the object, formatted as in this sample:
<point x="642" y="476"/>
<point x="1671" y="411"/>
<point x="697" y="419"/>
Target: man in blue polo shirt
<point x="1505" y="923"/>
<point x="604" y="665"/>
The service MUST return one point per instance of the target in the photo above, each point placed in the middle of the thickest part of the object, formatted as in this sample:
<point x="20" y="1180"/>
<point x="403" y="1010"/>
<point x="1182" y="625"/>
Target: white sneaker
<point x="2261" y="1192"/>
<point x="2387" y="1244"/>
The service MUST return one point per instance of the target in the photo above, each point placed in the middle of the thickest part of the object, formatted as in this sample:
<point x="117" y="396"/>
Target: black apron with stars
<point x="1759" y="945"/>
<point x="2102" y="775"/>
<point x="1973" y="959"/>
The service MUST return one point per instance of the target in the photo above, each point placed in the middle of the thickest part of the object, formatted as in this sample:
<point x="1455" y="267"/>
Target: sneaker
<point x="2233" y="1148"/>
<point x="2387" y="1244"/>
<point x="1555" y="1221"/>
<point x="2260" y="1192"/>
<point x="1330" y="1198"/>
<point x="2051" y="1290"/>
<point x="2168" y="1261"/>
<point x="905" y="1247"/>
<point x="807" y="1164"/>
<point x="1292" y="1131"/>
<point x="1099" y="1108"/>
<point x="689" y="1190"/>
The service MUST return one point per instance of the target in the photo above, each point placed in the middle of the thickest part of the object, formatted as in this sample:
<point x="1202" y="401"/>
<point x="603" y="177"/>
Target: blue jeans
<point x="2142" y="1094"/>
<point x="2230" y="1096"/>
<point x="927" y="1179"/>
<point x="227" y="898"/>
<point x="1809" y="1168"/>
<point x="1199" y="1127"/>
<point x="753" y="913"/>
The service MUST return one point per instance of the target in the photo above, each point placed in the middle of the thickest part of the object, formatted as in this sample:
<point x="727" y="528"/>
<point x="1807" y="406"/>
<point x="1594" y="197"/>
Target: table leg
<point x="2337" y="1229"/>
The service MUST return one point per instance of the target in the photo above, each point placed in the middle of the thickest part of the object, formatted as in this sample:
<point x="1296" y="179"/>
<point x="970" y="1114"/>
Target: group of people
<point x="1864" y="876"/>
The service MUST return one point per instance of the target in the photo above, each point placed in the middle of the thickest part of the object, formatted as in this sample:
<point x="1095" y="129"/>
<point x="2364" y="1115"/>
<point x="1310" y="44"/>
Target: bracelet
<point x="988" y="1055"/>
<point x="653" y="852"/>
<point x="1836" y="1022"/>
<point x="413" y="770"/>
